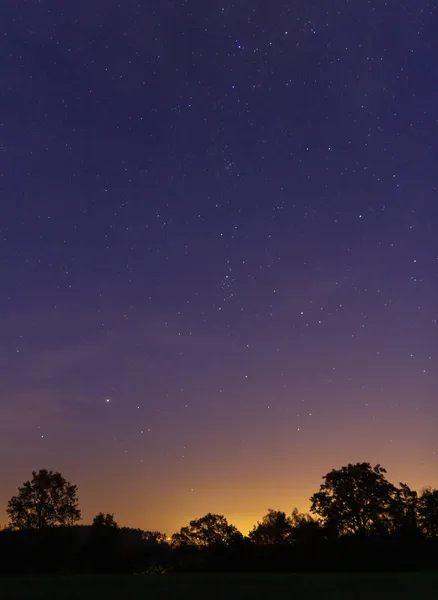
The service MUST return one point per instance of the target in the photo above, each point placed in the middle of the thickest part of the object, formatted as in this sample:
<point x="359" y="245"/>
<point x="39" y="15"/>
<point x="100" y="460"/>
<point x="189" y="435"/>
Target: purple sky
<point x="218" y="250"/>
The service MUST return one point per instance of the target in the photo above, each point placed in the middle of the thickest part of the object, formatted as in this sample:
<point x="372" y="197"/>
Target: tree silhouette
<point x="45" y="501"/>
<point x="207" y="532"/>
<point x="305" y="529"/>
<point x="355" y="499"/>
<point x="428" y="512"/>
<point x="274" y="528"/>
<point x="104" y="543"/>
<point x="360" y="521"/>
<point x="154" y="537"/>
<point x="104" y="520"/>
<point x="405" y="509"/>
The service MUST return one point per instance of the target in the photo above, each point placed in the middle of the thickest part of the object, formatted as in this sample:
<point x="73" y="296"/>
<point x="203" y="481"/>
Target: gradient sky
<point x="218" y="250"/>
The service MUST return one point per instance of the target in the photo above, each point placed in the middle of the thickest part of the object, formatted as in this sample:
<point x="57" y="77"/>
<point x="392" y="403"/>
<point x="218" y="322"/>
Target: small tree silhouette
<point x="207" y="532"/>
<point x="275" y="528"/>
<point x="104" y="520"/>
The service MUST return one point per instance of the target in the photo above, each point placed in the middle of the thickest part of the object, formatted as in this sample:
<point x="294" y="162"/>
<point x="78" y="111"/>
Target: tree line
<point x="357" y="520"/>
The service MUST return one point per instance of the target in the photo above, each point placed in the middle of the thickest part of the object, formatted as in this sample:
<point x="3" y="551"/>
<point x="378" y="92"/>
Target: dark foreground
<point x="228" y="587"/>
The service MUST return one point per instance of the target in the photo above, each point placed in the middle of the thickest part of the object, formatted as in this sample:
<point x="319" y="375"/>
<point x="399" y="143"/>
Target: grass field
<point x="227" y="587"/>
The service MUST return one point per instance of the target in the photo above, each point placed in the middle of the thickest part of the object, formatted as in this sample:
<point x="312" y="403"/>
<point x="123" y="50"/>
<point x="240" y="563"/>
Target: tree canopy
<point x="274" y="528"/>
<point x="208" y="531"/>
<point x="360" y="521"/>
<point x="355" y="499"/>
<point x="46" y="500"/>
<point x="104" y="520"/>
<point x="428" y="512"/>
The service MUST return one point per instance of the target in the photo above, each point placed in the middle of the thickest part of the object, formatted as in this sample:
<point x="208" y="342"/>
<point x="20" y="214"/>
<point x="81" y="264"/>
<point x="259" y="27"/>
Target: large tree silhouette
<point x="47" y="500"/>
<point x="355" y="499"/>
<point x="207" y="532"/>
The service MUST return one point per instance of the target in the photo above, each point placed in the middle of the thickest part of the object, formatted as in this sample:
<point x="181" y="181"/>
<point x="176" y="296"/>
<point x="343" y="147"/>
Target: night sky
<point x="218" y="251"/>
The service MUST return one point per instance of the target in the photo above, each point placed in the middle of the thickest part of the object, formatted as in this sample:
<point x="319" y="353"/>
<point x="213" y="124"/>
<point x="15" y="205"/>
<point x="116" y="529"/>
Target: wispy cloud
<point x="27" y="410"/>
<point x="47" y="383"/>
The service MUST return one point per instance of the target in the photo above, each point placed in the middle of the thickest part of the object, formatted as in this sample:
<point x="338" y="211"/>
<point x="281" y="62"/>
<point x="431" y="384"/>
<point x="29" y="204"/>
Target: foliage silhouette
<point x="104" y="520"/>
<point x="356" y="499"/>
<point x="360" y="522"/>
<point x="154" y="537"/>
<point x="428" y="512"/>
<point x="274" y="528"/>
<point x="306" y="529"/>
<point x="46" y="500"/>
<point x="104" y="548"/>
<point x="405" y="511"/>
<point x="208" y="531"/>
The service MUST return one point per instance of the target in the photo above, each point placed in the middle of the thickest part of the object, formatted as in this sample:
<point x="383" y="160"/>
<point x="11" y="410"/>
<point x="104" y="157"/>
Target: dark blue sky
<point x="222" y="218"/>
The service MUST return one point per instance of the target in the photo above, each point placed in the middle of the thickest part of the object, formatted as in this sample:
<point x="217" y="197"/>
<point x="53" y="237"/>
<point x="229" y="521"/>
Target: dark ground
<point x="227" y="587"/>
